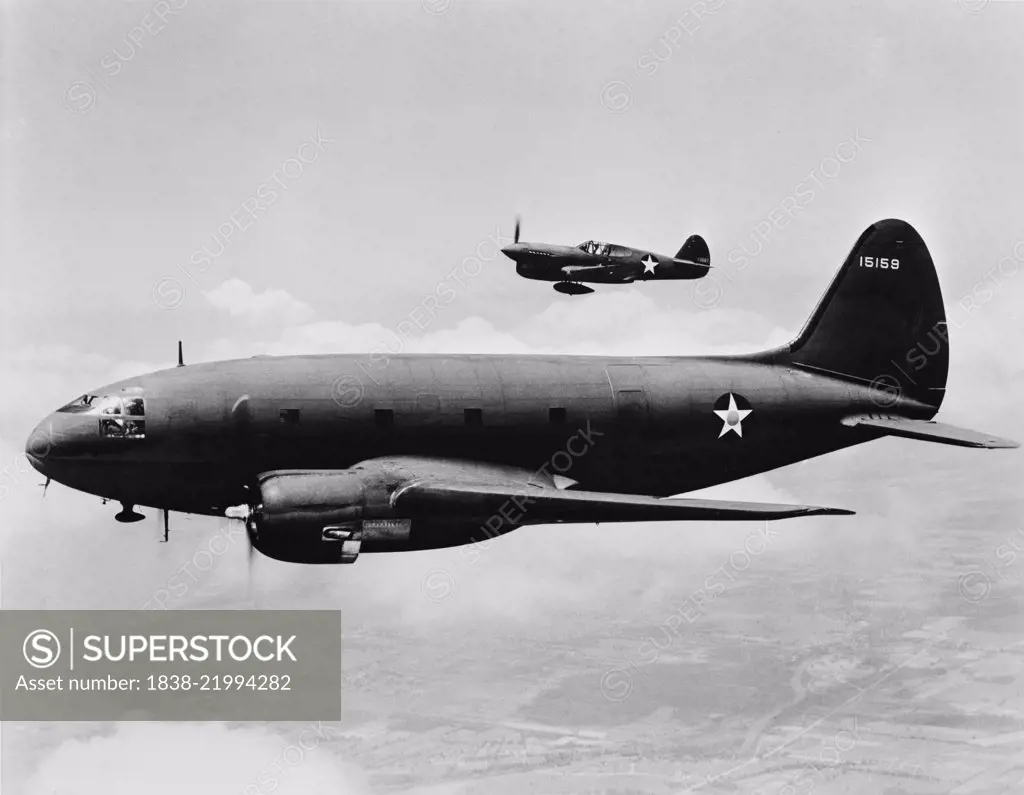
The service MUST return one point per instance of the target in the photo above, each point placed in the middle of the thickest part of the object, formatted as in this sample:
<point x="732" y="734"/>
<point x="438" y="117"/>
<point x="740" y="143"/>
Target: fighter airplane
<point x="326" y="457"/>
<point x="604" y="263"/>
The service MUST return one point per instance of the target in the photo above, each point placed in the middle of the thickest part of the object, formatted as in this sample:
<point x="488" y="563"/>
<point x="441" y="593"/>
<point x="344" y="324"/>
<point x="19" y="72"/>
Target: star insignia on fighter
<point x="649" y="263"/>
<point x="732" y="413"/>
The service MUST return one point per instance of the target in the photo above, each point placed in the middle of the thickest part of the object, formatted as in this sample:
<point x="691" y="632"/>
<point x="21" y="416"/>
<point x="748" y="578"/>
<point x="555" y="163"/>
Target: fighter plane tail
<point x="695" y="250"/>
<point x="881" y="321"/>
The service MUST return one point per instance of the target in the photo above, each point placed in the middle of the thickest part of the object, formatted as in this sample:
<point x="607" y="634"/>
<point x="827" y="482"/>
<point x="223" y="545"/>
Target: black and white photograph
<point x="489" y="397"/>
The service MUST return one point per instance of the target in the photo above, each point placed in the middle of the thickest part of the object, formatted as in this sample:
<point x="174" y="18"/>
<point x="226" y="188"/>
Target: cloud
<point x="625" y="323"/>
<point x="277" y="306"/>
<point x="39" y="378"/>
<point x="202" y="759"/>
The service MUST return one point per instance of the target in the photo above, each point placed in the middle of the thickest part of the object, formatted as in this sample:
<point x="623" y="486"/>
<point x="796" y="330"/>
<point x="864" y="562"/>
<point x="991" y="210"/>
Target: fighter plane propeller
<point x="604" y="263"/>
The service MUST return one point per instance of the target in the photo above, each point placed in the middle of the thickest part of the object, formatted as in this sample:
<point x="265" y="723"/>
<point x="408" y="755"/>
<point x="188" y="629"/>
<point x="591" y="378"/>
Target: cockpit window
<point x="122" y="429"/>
<point x="120" y="418"/>
<point x="107" y="405"/>
<point x="78" y="405"/>
<point x="593" y="247"/>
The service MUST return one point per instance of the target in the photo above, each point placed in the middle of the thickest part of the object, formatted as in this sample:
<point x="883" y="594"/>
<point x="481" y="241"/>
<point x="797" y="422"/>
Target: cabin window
<point x="384" y="418"/>
<point x="134" y="407"/>
<point x="289" y="416"/>
<point x="556" y="415"/>
<point x="474" y="416"/>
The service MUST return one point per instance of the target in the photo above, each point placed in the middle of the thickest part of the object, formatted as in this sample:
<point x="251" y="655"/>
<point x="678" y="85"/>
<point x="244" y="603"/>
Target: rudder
<point x="882" y="321"/>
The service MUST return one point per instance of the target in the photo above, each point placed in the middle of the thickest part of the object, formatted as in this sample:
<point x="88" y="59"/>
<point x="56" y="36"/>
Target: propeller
<point x="515" y="236"/>
<point x="243" y="513"/>
<point x="250" y="560"/>
<point x="46" y="485"/>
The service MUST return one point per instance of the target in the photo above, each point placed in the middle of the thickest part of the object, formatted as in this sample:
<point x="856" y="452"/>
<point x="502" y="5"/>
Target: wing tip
<point x="798" y="511"/>
<point x="815" y="510"/>
<point x="996" y="443"/>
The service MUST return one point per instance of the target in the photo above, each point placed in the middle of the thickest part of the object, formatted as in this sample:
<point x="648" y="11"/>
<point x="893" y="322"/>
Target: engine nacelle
<point x="324" y="516"/>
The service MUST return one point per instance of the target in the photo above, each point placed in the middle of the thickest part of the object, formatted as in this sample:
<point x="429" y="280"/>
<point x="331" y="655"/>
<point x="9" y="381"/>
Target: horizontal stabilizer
<point x="928" y="431"/>
<point x="536" y="505"/>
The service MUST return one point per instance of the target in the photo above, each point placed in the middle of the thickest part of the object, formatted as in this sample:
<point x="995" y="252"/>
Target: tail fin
<point x="695" y="250"/>
<point x="881" y="321"/>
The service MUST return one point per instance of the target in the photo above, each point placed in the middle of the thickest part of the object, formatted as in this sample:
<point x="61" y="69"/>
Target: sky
<point x="306" y="177"/>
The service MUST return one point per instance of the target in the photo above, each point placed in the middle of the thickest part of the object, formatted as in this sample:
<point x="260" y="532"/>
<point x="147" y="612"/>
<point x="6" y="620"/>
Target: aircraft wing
<point x="481" y="495"/>
<point x="583" y="270"/>
<point x="544" y="505"/>
<point x="605" y="273"/>
<point x="929" y="431"/>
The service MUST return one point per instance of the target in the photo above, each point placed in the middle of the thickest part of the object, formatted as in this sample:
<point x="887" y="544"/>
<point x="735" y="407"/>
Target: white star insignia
<point x="732" y="417"/>
<point x="649" y="263"/>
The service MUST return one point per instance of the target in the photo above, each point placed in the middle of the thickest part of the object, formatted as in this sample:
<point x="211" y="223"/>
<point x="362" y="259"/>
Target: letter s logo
<point x="41" y="648"/>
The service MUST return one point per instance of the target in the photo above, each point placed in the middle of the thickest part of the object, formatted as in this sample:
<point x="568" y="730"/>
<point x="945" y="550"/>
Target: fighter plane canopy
<point x="600" y="249"/>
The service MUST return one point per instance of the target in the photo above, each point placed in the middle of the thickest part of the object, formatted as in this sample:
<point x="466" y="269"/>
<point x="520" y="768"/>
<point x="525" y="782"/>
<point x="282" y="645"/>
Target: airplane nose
<point x="39" y="445"/>
<point x="58" y="436"/>
<point x="514" y="250"/>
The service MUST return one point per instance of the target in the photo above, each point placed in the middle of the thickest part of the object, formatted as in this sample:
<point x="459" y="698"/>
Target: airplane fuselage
<point x="553" y="263"/>
<point x="656" y="426"/>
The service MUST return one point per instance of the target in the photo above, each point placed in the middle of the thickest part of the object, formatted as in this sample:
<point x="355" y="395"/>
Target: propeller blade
<point x="46" y="485"/>
<point x="248" y="573"/>
<point x="250" y="559"/>
<point x="243" y="513"/>
<point x="249" y="545"/>
<point x="515" y="237"/>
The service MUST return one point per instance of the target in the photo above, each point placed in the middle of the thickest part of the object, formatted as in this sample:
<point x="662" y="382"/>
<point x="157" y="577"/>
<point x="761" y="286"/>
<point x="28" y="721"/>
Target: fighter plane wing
<point x="583" y="270"/>
<point x="929" y="431"/>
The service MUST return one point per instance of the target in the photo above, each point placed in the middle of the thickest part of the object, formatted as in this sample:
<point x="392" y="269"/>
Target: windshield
<point x="78" y="405"/>
<point x="122" y="418"/>
<point x="106" y="405"/>
<point x="595" y="248"/>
